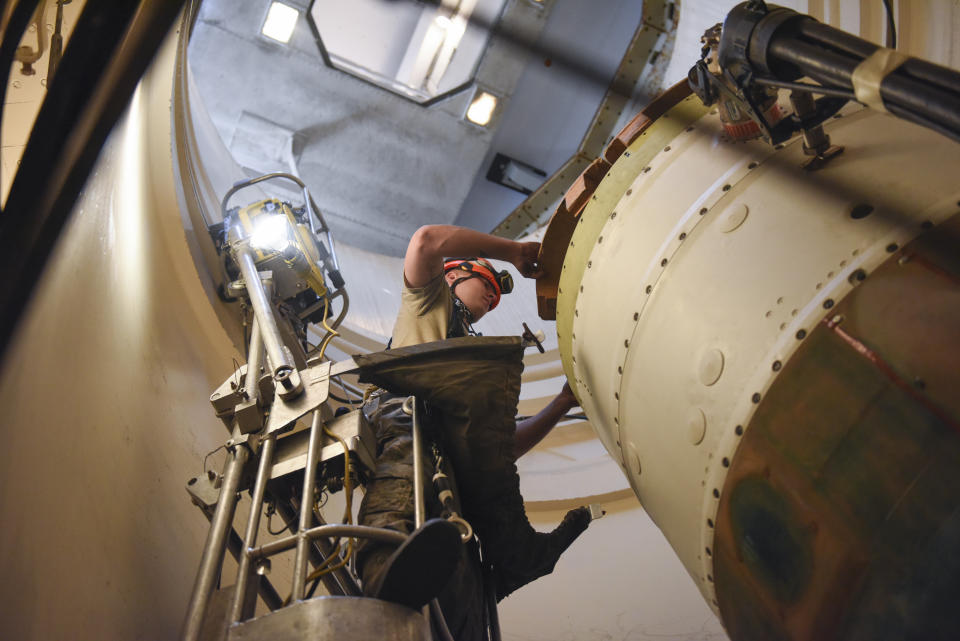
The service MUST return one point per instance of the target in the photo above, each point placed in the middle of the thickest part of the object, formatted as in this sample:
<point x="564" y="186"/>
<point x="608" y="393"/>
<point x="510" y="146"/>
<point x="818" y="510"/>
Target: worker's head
<point x="477" y="284"/>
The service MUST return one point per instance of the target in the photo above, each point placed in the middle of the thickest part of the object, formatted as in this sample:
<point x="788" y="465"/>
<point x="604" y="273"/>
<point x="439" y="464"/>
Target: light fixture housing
<point x="280" y="22"/>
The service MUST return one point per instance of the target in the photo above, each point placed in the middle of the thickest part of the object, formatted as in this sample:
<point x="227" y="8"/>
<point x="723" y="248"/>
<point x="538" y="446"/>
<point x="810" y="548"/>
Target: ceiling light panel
<point x="280" y="22"/>
<point x="482" y="108"/>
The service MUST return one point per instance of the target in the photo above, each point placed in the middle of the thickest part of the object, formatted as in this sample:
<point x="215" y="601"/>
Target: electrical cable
<point x="340" y="399"/>
<point x="331" y="332"/>
<point x="236" y="372"/>
<point x="286" y="526"/>
<point x="209" y="454"/>
<point x="346" y="389"/>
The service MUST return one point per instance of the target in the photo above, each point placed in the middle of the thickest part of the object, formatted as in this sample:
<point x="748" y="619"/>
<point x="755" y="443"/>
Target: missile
<point x="769" y="351"/>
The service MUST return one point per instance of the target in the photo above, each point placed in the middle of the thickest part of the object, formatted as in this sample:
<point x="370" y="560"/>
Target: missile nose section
<point x="769" y="352"/>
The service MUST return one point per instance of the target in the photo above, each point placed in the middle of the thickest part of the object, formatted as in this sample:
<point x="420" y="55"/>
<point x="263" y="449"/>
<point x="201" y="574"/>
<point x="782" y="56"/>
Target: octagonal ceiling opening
<point x="422" y="51"/>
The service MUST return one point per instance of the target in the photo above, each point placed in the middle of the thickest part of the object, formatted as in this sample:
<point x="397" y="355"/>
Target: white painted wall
<point x="105" y="411"/>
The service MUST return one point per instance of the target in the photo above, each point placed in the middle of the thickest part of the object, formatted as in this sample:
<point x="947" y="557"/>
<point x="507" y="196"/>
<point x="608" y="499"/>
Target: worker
<point x="442" y="299"/>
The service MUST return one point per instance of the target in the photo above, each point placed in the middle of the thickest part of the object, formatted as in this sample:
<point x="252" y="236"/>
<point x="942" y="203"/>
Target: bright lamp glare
<point x="482" y="108"/>
<point x="281" y="19"/>
<point x="270" y="233"/>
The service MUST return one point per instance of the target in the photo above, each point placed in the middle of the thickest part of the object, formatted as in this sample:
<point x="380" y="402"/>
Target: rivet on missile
<point x="711" y="367"/>
<point x="734" y="218"/>
<point x="696" y="426"/>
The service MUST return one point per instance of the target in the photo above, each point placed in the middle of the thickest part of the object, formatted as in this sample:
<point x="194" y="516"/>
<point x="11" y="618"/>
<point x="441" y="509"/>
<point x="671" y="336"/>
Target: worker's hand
<point x="567" y="398"/>
<point x="525" y="260"/>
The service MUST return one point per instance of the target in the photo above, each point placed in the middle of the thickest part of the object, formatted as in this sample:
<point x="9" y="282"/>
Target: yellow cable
<point x="331" y="332"/>
<point x="325" y="567"/>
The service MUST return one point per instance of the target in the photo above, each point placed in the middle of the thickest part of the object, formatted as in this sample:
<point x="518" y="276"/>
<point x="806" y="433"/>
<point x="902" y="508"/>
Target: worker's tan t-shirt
<point x="424" y="313"/>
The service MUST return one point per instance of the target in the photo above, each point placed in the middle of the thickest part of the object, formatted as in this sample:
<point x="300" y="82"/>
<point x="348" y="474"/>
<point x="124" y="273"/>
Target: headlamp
<point x="501" y="281"/>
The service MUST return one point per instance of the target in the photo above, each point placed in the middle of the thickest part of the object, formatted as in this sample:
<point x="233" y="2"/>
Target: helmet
<point x="501" y="281"/>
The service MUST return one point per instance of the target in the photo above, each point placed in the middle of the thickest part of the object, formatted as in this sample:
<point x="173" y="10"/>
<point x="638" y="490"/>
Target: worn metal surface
<point x="336" y="618"/>
<point x="316" y="389"/>
<point x="351" y="427"/>
<point x="686" y="287"/>
<point x="838" y="519"/>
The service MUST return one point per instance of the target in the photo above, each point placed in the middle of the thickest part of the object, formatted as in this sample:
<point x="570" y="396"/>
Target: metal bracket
<point x="316" y="389"/>
<point x="205" y="490"/>
<point x="230" y="394"/>
<point x="352" y="427"/>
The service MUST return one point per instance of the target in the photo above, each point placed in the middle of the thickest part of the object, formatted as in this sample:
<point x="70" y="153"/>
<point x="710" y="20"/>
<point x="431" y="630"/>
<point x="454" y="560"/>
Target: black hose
<point x="891" y="26"/>
<point x="905" y="91"/>
<point x="93" y="87"/>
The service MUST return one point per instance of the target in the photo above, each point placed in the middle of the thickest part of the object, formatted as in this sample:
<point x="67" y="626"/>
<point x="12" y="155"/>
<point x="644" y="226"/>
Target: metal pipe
<point x="321" y="550"/>
<point x="212" y="558"/>
<point x="261" y="308"/>
<point x="418" y="506"/>
<point x="236" y="549"/>
<point x="253" y="524"/>
<point x="254" y="361"/>
<point x="354" y="531"/>
<point x="310" y="216"/>
<point x="306" y="512"/>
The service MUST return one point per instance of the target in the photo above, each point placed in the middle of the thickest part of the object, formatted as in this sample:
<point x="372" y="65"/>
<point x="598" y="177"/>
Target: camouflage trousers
<point x="388" y="503"/>
<point x="471" y="387"/>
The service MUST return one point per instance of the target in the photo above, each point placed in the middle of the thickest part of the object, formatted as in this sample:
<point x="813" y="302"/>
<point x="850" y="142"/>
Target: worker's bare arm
<point x="531" y="431"/>
<point x="432" y="243"/>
